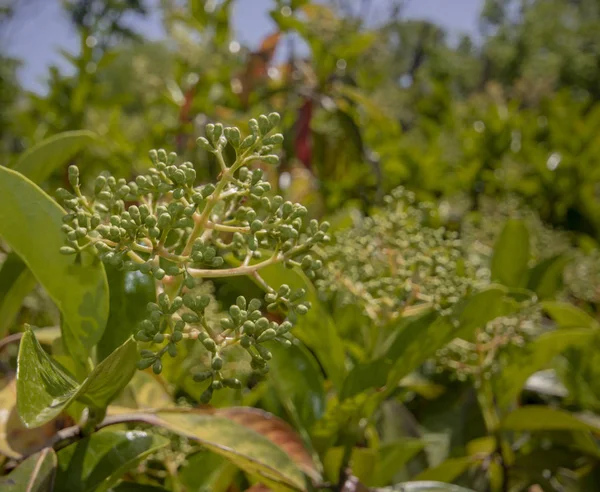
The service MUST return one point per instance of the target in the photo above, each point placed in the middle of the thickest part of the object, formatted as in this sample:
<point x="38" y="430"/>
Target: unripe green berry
<point x="159" y="338"/>
<point x="217" y="385"/>
<point x="268" y="334"/>
<point x="144" y="364"/>
<point x="248" y="327"/>
<point x="190" y="317"/>
<point x="206" y="396"/>
<point x="232" y="383"/>
<point x="202" y="376"/>
<point x="157" y="367"/>
<point x="217" y="363"/>
<point x="209" y="344"/>
<point x="253" y="305"/>
<point x="67" y="250"/>
<point x="172" y="349"/>
<point x="177" y="336"/>
<point x="141" y="336"/>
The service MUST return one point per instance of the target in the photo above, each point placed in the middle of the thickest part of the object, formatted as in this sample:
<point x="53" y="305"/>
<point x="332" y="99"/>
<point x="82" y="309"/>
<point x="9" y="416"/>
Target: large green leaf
<point x="299" y="383"/>
<point x="130" y="292"/>
<point x="30" y="223"/>
<point x="97" y="462"/>
<point x="566" y="315"/>
<point x="41" y="160"/>
<point x="542" y="418"/>
<point x="511" y="254"/>
<point x="16" y="281"/>
<point x="35" y="474"/>
<point x="246" y="448"/>
<point x="44" y="389"/>
<point x="534" y="356"/>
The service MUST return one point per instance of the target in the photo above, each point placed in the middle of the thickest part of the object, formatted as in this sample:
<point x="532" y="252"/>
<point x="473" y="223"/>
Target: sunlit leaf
<point x="44" y="389"/>
<point x="79" y="288"/>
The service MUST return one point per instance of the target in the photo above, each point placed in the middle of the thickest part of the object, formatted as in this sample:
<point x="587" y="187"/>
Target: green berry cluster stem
<point x="180" y="232"/>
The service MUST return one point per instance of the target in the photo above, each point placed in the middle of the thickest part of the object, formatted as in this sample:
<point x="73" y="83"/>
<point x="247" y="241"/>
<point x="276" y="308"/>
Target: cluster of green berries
<point x="394" y="260"/>
<point x="464" y="360"/>
<point x="184" y="318"/>
<point x="166" y="225"/>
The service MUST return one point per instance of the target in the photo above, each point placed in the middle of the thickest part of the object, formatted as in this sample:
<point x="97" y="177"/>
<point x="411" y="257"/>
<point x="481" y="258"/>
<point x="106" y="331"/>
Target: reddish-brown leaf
<point x="277" y="431"/>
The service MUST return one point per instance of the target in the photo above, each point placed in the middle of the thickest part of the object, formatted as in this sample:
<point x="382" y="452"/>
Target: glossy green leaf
<point x="546" y="278"/>
<point x="51" y="154"/>
<point x="79" y="288"/>
<point x="566" y="315"/>
<point x="448" y="471"/>
<point x="511" y="254"/>
<point x="541" y="418"/>
<point x="534" y="356"/>
<point x="130" y="292"/>
<point x="35" y="474"/>
<point x="299" y="383"/>
<point x="44" y="389"/>
<point x="246" y="448"/>
<point x="97" y="462"/>
<point x="16" y="281"/>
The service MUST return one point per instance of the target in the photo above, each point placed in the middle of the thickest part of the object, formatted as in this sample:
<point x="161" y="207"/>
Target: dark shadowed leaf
<point x="130" y="292"/>
<point x="299" y="383"/>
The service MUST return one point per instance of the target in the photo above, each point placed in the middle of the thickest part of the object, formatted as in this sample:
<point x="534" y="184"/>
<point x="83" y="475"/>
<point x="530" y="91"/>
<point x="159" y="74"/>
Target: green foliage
<point x="441" y="334"/>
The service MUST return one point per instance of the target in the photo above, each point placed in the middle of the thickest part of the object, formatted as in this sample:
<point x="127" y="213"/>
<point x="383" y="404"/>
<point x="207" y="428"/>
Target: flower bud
<point x="268" y="334"/>
<point x="74" y="176"/>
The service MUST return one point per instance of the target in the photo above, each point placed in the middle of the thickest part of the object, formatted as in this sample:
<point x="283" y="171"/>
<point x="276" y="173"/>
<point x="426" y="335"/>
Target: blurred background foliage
<point x="501" y="125"/>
